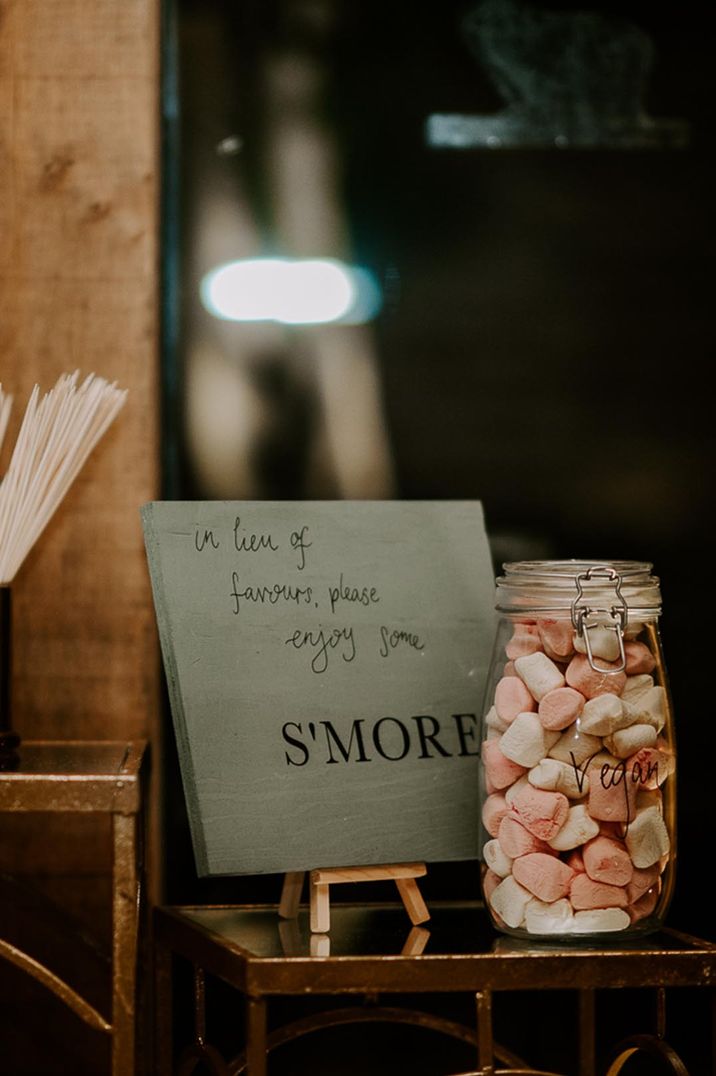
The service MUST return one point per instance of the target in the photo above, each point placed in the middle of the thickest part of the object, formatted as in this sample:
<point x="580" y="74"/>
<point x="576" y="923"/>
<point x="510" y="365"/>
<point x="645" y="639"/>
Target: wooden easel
<point x="403" y="874"/>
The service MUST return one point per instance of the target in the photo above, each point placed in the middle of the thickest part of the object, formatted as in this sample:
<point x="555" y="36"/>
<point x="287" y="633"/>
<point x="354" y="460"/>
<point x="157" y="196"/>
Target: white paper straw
<point x="57" y="434"/>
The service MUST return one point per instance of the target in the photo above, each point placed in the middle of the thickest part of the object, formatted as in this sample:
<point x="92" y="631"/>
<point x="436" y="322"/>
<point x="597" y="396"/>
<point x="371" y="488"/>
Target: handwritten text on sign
<point x="345" y="640"/>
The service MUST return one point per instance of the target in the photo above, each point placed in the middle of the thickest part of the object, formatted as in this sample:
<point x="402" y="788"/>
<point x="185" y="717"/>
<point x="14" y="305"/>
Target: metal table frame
<point x="676" y="960"/>
<point x="90" y="776"/>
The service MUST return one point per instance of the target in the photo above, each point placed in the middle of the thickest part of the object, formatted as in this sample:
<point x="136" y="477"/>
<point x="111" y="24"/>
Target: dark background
<point x="546" y="339"/>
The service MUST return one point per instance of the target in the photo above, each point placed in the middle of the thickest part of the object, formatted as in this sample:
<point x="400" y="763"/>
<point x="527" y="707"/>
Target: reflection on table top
<point x="374" y="944"/>
<point x="74" y="775"/>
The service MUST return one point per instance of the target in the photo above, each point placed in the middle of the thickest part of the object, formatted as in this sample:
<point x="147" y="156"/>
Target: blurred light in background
<point x="291" y="291"/>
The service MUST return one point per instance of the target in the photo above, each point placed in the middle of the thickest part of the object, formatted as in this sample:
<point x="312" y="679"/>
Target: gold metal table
<point x="90" y="776"/>
<point x="373" y="952"/>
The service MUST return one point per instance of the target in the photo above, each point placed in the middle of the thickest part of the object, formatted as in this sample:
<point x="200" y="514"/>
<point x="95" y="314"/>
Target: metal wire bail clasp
<point x="582" y="612"/>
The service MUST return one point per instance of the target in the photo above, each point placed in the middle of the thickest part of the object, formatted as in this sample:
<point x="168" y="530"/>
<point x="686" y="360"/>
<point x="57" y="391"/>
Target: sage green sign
<point x="326" y="663"/>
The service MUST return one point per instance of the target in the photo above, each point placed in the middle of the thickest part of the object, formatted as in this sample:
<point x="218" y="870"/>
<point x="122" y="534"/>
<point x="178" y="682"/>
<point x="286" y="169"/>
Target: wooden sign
<point x="325" y="663"/>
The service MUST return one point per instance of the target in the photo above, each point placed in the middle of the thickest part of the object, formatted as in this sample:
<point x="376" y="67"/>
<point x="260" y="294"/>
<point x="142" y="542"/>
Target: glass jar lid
<point x="554" y="587"/>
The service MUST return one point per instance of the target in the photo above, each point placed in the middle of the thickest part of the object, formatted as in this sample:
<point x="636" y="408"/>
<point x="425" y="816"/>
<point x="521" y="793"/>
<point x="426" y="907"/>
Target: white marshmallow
<point x="647" y="838"/>
<point x="496" y="859"/>
<point x="600" y="919"/>
<point x="574" y="742"/>
<point x="626" y="742"/>
<point x="539" y="674"/>
<point x="526" y="740"/>
<point x="636" y="686"/>
<point x="556" y="776"/>
<point x="603" y="642"/>
<point x="509" y="899"/>
<point x="494" y="722"/>
<point x="603" y="715"/>
<point x="554" y="918"/>
<point x="578" y="829"/>
<point x="649" y="707"/>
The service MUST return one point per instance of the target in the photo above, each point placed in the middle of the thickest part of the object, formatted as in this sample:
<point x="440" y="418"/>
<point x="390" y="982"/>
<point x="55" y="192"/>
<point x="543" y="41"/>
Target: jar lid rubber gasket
<point x="551" y="586"/>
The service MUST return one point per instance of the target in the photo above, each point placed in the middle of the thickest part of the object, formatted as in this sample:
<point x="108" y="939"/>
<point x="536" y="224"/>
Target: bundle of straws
<point x="57" y="434"/>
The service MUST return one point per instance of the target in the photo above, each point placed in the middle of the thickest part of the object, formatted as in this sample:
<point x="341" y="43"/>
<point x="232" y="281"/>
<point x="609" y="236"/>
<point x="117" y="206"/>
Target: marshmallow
<point x="626" y="742"/>
<point x="490" y="882"/>
<point x="495" y="723"/>
<point x="549" y="918"/>
<point x="650" y="767"/>
<point x="539" y="673"/>
<point x="575" y="746"/>
<point x="515" y="840"/>
<point x="500" y="770"/>
<point x="639" y="659"/>
<point x="647" y="838"/>
<point x="526" y="742"/>
<point x="636" y="686"/>
<point x="509" y="669"/>
<point x="612" y="793"/>
<point x="546" y="877"/>
<point x="576" y="861"/>
<point x="512" y="698"/>
<point x="577" y="830"/>
<point x="592" y="682"/>
<point x="559" y="708"/>
<point x="525" y="640"/>
<point x="607" y="861"/>
<point x="556" y="637"/>
<point x="542" y="813"/>
<point x="603" y="715"/>
<point x="515" y="789"/>
<point x="584" y="893"/>
<point x="600" y="920"/>
<point x="509" y="899"/>
<point x="603" y="642"/>
<point x="556" y="776"/>
<point x="497" y="861"/>
<point x="649" y="707"/>
<point x="494" y="810"/>
<point x="642" y="880"/>
<point x="643" y="907"/>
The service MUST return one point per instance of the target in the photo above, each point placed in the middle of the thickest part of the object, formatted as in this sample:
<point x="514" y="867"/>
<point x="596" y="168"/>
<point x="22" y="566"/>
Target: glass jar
<point x="578" y="764"/>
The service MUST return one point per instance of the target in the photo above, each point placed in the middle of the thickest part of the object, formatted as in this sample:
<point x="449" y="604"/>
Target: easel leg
<point x="291" y="894"/>
<point x="320" y="909"/>
<point x="412" y="899"/>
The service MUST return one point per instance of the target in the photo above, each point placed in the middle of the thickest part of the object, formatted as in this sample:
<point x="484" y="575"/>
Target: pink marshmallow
<point x="541" y="812"/>
<point x="500" y="771"/>
<point x="575" y="861"/>
<point x="607" y="861"/>
<point x="582" y="677"/>
<point x="494" y="810"/>
<point x="545" y="876"/>
<point x="512" y="698"/>
<point x="557" y="637"/>
<point x="644" y="906"/>
<point x="585" y="893"/>
<point x="612" y="793"/>
<point x="509" y="669"/>
<point x="650" y="767"/>
<point x="516" y="841"/>
<point x="639" y="659"/>
<point x="642" y="880"/>
<point x="560" y="707"/>
<point x="525" y="640"/>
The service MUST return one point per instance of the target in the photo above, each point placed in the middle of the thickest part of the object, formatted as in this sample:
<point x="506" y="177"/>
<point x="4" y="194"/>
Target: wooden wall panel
<point x="79" y="272"/>
<point x="79" y="108"/>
